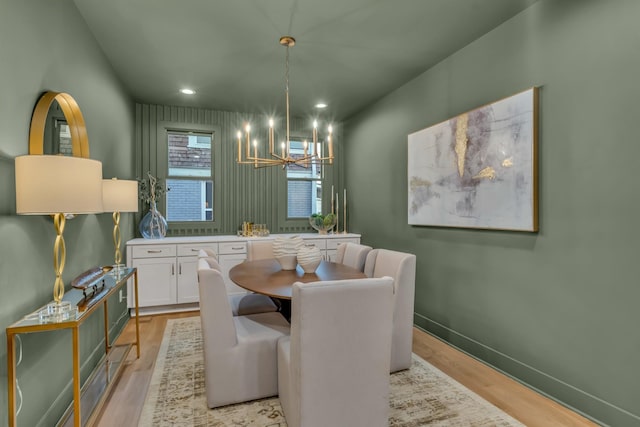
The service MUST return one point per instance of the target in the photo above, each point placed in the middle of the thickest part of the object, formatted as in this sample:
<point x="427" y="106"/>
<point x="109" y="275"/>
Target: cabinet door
<point x="187" y="280"/>
<point x="227" y="262"/>
<point x="156" y="281"/>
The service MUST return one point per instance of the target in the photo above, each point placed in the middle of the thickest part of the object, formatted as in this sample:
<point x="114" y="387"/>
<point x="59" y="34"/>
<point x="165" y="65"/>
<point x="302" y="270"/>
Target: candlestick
<point x="248" y="130"/>
<point x="344" y="217"/>
<point x="255" y="153"/>
<point x="315" y="137"/>
<point x="330" y="145"/>
<point x="271" y="136"/>
<point x="332" y="211"/>
<point x="337" y="214"/>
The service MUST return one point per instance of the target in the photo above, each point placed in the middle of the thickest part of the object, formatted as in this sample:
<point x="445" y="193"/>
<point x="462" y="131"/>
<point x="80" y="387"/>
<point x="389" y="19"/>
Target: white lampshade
<point x="119" y="195"/>
<point x="58" y="184"/>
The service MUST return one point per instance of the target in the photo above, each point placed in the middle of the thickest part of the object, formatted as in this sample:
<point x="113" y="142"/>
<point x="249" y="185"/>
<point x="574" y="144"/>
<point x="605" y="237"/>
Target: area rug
<point x="420" y="396"/>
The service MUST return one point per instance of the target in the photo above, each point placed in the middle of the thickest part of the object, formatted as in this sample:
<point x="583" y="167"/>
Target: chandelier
<point x="310" y="154"/>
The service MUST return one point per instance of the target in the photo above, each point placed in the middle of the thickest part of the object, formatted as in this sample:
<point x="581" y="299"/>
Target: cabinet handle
<point x="195" y="250"/>
<point x="180" y="268"/>
<point x="237" y="248"/>
<point x="156" y="251"/>
<point x="173" y="269"/>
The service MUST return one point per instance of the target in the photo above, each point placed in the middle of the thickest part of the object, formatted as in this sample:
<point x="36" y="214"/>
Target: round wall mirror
<point x="57" y="115"/>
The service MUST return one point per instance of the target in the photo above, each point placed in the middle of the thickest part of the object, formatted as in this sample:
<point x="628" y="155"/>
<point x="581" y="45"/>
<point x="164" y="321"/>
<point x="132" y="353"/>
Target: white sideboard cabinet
<point x="167" y="268"/>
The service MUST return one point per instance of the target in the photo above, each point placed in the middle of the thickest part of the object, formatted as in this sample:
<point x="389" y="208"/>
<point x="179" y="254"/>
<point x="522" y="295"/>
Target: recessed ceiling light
<point x="188" y="91"/>
<point x="321" y="105"/>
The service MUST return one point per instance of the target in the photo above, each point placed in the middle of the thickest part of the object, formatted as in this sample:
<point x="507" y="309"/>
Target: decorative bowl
<point x="322" y="223"/>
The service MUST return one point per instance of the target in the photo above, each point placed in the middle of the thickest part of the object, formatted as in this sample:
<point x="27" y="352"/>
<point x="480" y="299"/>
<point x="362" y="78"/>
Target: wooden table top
<point x="267" y="278"/>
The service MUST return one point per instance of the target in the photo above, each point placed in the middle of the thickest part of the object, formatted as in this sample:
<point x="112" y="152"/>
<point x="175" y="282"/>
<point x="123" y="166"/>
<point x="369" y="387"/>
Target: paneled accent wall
<point x="241" y="192"/>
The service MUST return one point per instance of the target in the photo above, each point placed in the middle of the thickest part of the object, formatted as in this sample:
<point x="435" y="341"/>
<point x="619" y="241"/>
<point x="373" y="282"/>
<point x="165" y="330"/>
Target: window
<point x="304" y="186"/>
<point x="190" y="176"/>
<point x="62" y="138"/>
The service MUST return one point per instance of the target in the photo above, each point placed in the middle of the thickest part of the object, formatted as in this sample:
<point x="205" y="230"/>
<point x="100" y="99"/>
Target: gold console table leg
<point x="11" y="379"/>
<point x="135" y="287"/>
<point x="76" y="379"/>
<point x="107" y="346"/>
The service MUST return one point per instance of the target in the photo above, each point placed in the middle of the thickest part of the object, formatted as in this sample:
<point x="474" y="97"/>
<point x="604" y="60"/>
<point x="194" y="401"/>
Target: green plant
<point x="151" y="188"/>
<point x="319" y="221"/>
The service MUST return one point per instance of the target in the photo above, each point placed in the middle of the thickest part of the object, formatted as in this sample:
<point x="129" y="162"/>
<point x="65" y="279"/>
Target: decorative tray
<point x="92" y="285"/>
<point x="86" y="279"/>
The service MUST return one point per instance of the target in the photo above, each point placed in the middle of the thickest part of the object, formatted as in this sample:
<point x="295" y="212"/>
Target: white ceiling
<point x="349" y="53"/>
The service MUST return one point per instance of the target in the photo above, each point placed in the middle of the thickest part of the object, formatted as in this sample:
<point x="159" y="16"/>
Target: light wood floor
<point x="123" y="407"/>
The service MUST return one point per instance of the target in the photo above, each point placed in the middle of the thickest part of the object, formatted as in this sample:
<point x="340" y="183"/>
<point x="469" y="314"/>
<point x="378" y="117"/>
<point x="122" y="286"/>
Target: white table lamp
<point x="119" y="195"/>
<point x="55" y="185"/>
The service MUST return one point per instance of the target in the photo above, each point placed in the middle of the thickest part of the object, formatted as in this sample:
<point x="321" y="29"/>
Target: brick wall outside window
<point x="184" y="200"/>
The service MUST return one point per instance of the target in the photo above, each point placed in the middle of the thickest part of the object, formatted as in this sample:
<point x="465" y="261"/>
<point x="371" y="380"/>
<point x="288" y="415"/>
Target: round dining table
<point x="268" y="278"/>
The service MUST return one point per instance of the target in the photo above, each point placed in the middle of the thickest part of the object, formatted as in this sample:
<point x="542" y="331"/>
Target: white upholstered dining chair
<point x="352" y="254"/>
<point x="241" y="304"/>
<point x="333" y="370"/>
<point x="207" y="253"/>
<point x="240" y="359"/>
<point x="402" y="268"/>
<point x="257" y="249"/>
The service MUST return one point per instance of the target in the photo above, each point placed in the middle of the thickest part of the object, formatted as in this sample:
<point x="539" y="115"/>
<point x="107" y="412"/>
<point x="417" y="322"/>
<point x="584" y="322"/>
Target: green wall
<point x="241" y="193"/>
<point x="556" y="309"/>
<point x="47" y="46"/>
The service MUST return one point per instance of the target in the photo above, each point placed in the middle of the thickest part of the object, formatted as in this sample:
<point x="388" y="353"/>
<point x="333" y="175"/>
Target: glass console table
<point x="94" y="392"/>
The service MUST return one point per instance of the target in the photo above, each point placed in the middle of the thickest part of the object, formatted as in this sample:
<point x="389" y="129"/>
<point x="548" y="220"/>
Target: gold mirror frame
<point x="71" y="111"/>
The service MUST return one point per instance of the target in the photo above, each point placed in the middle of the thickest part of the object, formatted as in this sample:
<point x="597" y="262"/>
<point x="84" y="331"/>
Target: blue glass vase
<point x="153" y="225"/>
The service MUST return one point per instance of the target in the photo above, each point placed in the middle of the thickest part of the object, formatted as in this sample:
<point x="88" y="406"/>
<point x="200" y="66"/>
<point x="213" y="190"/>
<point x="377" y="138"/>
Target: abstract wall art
<point x="479" y="169"/>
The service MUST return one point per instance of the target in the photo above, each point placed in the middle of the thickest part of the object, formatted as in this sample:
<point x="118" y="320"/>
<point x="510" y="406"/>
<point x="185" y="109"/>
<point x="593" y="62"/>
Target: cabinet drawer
<point x="192" y="249"/>
<point x="232" y="248"/>
<point x="153" y="251"/>
<point x="333" y="243"/>
<point x="318" y="243"/>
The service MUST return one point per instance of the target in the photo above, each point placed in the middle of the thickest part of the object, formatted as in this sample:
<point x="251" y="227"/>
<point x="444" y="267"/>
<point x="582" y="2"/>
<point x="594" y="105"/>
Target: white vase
<point x="285" y="250"/>
<point x="309" y="258"/>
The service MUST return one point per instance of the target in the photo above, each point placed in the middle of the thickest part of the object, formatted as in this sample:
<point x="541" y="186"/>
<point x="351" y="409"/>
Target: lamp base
<point x="57" y="312"/>
<point x="117" y="270"/>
